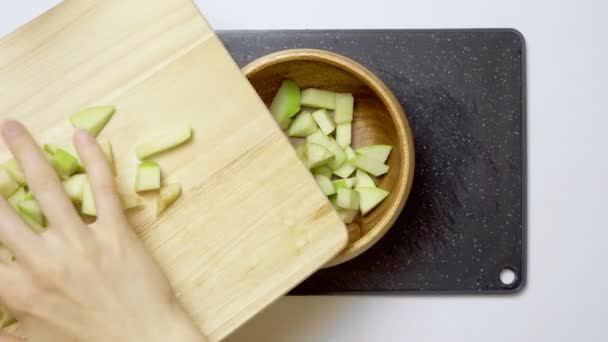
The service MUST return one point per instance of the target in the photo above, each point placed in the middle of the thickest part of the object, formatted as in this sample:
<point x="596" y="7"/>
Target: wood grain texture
<point x="378" y="119"/>
<point x="251" y="222"/>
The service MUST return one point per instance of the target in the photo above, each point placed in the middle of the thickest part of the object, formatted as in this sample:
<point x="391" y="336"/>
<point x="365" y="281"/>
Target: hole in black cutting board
<point x="508" y="277"/>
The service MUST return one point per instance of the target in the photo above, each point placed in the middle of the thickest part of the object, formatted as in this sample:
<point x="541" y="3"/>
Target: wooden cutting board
<point x="251" y="223"/>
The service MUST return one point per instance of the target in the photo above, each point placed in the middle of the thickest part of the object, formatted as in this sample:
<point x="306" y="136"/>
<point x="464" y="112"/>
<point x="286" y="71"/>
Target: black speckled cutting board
<point x="464" y="94"/>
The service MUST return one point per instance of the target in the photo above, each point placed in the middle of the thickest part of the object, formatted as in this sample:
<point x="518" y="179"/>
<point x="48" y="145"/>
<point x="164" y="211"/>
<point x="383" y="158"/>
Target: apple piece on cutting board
<point x="169" y="140"/>
<point x="93" y="119"/>
<point x="148" y="176"/>
<point x="166" y="196"/>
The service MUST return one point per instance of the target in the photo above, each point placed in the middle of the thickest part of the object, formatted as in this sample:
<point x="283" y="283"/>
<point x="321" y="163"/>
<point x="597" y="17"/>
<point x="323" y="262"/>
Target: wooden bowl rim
<point x="402" y="126"/>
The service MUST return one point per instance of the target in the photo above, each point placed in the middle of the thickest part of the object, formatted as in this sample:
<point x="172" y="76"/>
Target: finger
<point x="40" y="176"/>
<point x="15" y="234"/>
<point x="100" y="177"/>
<point x="11" y="338"/>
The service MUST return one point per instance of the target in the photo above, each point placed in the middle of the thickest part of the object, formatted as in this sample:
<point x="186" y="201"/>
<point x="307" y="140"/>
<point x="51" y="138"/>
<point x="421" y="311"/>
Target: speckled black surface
<point x="463" y="91"/>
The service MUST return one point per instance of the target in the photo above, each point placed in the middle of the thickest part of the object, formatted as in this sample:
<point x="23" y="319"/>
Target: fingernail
<point x="83" y="136"/>
<point x="12" y="128"/>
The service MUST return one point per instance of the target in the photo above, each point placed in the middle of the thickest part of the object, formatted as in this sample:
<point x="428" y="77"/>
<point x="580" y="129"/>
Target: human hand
<point x="79" y="282"/>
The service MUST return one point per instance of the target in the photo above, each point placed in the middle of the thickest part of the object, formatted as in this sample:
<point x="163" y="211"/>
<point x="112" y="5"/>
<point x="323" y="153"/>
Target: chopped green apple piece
<point x="106" y="147"/>
<point x="33" y="224"/>
<point x="168" y="141"/>
<point x="314" y="155"/>
<point x="301" y="151"/>
<point x="347" y="199"/>
<point x="369" y="198"/>
<point x="302" y="126"/>
<point x="17" y="197"/>
<point x="364" y="180"/>
<point x="378" y="152"/>
<point x="51" y="148"/>
<point x="167" y="195"/>
<point x="344" y="134"/>
<point x="74" y="187"/>
<point x="325" y="184"/>
<point x="344" y="108"/>
<point x="13" y="169"/>
<point x="286" y="103"/>
<point x="350" y="153"/>
<point x="130" y="201"/>
<point x="333" y="200"/>
<point x="318" y="98"/>
<point x="64" y="163"/>
<point x="330" y="144"/>
<point x="148" y="176"/>
<point x="324" y="120"/>
<point x="370" y="165"/>
<point x="93" y="119"/>
<point x="285" y="123"/>
<point x="8" y="185"/>
<point x="348" y="183"/>
<point x="345" y="170"/>
<point x="88" y="200"/>
<point x="31" y="209"/>
<point x="347" y="215"/>
<point x="322" y="170"/>
<point x="28" y="196"/>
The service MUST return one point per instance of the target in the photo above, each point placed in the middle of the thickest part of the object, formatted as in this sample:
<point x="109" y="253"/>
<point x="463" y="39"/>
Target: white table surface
<point x="566" y="298"/>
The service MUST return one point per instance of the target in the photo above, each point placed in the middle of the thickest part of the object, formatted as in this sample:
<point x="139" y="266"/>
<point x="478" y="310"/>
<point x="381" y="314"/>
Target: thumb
<point x="10" y="338"/>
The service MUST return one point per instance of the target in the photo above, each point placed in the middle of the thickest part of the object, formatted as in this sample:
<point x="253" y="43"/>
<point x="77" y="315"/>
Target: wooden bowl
<point x="378" y="119"/>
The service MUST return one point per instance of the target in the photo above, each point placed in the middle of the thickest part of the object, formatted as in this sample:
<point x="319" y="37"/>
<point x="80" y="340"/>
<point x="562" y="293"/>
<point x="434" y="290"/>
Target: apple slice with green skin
<point x="324" y="121"/>
<point x="33" y="224"/>
<point x="347" y="183"/>
<point x="301" y="151"/>
<point x="148" y="176"/>
<point x="93" y="119"/>
<point x="64" y="163"/>
<point x="350" y="153"/>
<point x="8" y="185"/>
<point x="347" y="199"/>
<point x="88" y="200"/>
<point x="171" y="139"/>
<point x="327" y="187"/>
<point x="322" y="170"/>
<point x="286" y="103"/>
<point x="330" y="144"/>
<point x="344" y="134"/>
<point x="344" y="108"/>
<point x="347" y="215"/>
<point x="13" y="169"/>
<point x="166" y="196"/>
<point x="74" y="187"/>
<point x="314" y="155"/>
<point x="345" y="170"/>
<point x="302" y="126"/>
<point x="50" y="149"/>
<point x="130" y="201"/>
<point x="370" y="165"/>
<point x="106" y="147"/>
<point x="31" y="209"/>
<point x="369" y="198"/>
<point x="378" y="152"/>
<point x="17" y="197"/>
<point x="364" y="180"/>
<point x="318" y="98"/>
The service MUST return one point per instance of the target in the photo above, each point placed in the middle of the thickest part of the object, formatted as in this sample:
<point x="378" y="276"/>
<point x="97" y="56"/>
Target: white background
<point x="567" y="296"/>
